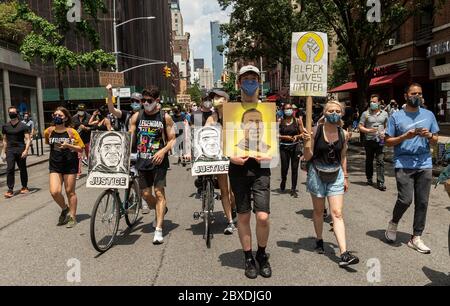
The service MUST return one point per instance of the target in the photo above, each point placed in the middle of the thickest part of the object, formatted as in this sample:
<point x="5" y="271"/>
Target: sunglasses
<point x="331" y="152"/>
<point x="148" y="100"/>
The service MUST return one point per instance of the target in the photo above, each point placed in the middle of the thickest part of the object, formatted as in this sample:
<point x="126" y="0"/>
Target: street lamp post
<point x="116" y="52"/>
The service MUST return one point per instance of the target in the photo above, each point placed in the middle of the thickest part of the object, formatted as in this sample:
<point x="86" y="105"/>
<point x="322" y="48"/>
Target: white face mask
<point x="150" y="107"/>
<point x="80" y="113"/>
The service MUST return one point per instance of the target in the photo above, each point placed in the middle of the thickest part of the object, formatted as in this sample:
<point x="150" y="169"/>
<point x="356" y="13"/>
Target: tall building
<point x="217" y="57"/>
<point x="181" y="51"/>
<point x="177" y="18"/>
<point x="206" y="78"/>
<point x="199" y="63"/>
<point x="146" y="39"/>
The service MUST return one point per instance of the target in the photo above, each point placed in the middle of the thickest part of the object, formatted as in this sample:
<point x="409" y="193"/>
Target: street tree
<point x="263" y="28"/>
<point x="47" y="39"/>
<point x="362" y="36"/>
<point x="195" y="92"/>
<point x="12" y="31"/>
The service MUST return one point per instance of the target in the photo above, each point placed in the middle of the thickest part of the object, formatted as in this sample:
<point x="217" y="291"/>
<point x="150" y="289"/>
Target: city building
<point x="146" y="39"/>
<point x="217" y="56"/>
<point x="206" y="78"/>
<point x="20" y="86"/>
<point x="181" y="50"/>
<point x="199" y="63"/>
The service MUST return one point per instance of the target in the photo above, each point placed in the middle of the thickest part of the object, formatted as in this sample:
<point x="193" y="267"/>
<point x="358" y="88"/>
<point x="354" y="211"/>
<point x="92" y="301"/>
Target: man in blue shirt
<point x="411" y="131"/>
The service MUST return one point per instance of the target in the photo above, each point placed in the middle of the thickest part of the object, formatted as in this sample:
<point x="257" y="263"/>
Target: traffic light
<point x="167" y="72"/>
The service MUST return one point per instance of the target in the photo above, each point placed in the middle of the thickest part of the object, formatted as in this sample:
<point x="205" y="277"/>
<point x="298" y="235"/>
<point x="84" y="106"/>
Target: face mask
<point x="26" y="118"/>
<point x="135" y="106"/>
<point x="194" y="108"/>
<point x="414" y="101"/>
<point x="207" y="104"/>
<point x="150" y="107"/>
<point x="289" y="112"/>
<point x="218" y="102"/>
<point x="333" y="118"/>
<point x="250" y="87"/>
<point x="374" y="106"/>
<point x="13" y="115"/>
<point x="80" y="113"/>
<point x="58" y="120"/>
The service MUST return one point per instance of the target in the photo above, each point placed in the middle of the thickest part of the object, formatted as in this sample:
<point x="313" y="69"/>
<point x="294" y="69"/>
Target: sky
<point x="197" y="14"/>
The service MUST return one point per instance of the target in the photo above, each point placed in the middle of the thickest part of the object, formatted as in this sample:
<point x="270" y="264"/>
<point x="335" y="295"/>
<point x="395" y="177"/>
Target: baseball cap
<point x="249" y="68"/>
<point x="81" y="107"/>
<point x="136" y="96"/>
<point x="218" y="92"/>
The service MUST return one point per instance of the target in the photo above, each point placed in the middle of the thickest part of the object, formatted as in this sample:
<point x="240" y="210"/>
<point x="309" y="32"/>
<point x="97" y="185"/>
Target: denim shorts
<point x="316" y="187"/>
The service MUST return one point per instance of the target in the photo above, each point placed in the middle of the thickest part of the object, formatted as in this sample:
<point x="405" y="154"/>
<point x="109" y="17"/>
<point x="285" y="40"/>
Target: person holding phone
<point x="411" y="132"/>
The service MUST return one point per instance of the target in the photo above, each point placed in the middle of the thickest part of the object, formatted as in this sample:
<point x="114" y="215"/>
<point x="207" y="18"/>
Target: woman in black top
<point x="327" y="176"/>
<point x="290" y="141"/>
<point x="99" y="120"/>
<point x="65" y="144"/>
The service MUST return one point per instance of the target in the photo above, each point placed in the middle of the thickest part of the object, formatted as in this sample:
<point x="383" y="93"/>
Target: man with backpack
<point x="153" y="134"/>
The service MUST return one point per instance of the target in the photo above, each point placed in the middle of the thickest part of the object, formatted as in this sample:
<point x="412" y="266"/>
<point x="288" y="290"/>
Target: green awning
<point x="78" y="94"/>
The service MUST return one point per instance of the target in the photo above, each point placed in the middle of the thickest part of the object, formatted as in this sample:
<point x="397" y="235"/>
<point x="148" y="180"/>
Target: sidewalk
<point x="32" y="160"/>
<point x="355" y="146"/>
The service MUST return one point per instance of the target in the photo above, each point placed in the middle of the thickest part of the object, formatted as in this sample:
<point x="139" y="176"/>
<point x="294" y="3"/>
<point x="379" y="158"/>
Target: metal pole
<point x="262" y="80"/>
<point x="116" y="53"/>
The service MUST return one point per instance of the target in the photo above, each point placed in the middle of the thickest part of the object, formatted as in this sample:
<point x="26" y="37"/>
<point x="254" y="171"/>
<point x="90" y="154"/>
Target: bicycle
<point x="207" y="184"/>
<point x="108" y="217"/>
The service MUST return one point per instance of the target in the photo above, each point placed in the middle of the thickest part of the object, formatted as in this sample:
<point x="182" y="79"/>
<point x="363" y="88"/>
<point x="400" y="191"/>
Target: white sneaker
<point x="417" y="244"/>
<point x="229" y="229"/>
<point x="158" y="238"/>
<point x="391" y="232"/>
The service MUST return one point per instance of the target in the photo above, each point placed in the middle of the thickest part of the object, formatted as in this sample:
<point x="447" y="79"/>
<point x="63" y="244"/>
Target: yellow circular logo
<point x="310" y="48"/>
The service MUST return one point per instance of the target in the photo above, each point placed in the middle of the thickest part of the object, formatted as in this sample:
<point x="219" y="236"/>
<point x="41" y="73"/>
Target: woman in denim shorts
<point x="327" y="176"/>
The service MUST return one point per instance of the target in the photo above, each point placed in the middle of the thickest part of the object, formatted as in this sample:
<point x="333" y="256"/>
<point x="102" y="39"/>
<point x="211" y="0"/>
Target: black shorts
<point x="154" y="178"/>
<point x="244" y="187"/>
<point x="70" y="167"/>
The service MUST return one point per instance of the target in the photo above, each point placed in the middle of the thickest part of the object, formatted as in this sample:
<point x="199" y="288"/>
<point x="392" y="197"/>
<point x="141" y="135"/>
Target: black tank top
<point x="325" y="153"/>
<point x="149" y="140"/>
<point x="289" y="129"/>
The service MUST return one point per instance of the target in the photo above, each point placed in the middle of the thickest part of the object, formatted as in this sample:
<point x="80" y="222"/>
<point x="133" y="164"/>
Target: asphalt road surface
<point x="35" y="251"/>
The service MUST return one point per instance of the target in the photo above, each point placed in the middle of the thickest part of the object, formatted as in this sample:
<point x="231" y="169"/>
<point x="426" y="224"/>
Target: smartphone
<point x="418" y="130"/>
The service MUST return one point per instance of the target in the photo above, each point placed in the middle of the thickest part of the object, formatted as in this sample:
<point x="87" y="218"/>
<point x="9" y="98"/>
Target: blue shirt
<point x="412" y="153"/>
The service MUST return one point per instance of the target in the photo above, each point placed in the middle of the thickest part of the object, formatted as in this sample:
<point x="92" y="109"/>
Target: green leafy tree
<point x="12" y="31"/>
<point x="230" y="86"/>
<point x="47" y="39"/>
<point x="341" y="70"/>
<point x="263" y="28"/>
<point x="363" y="40"/>
<point x="195" y="92"/>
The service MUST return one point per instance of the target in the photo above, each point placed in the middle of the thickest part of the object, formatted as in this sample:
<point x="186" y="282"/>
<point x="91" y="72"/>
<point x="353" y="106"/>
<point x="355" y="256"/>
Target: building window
<point x="440" y="61"/>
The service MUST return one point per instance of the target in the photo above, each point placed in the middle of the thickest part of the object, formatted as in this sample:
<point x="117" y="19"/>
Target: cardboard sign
<point x="309" y="64"/>
<point x="116" y="79"/>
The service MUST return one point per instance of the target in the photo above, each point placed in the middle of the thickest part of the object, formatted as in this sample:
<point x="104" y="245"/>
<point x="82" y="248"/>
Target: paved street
<point x="35" y="252"/>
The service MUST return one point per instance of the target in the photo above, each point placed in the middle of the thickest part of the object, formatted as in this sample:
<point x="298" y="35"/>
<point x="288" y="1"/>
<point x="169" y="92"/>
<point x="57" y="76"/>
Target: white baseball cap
<point x="249" y="68"/>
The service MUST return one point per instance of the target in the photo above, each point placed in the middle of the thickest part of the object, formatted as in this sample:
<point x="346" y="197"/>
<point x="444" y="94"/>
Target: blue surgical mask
<point x="288" y="112"/>
<point x="250" y="87"/>
<point x="58" y="120"/>
<point x="333" y="118"/>
<point x="135" y="106"/>
<point x="414" y="101"/>
<point x="374" y="106"/>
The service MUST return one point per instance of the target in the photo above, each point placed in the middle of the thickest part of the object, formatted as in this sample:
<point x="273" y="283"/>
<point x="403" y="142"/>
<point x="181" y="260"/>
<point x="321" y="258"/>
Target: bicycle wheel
<point x="133" y="203"/>
<point x="105" y="219"/>
<point x="208" y="207"/>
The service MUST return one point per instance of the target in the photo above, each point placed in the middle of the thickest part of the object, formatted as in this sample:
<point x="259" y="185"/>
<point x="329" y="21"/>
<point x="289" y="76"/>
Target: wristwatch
<point x="429" y="138"/>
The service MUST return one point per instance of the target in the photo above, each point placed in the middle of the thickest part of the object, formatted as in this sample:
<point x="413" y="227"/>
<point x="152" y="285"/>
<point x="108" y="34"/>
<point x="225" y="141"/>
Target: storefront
<point x="439" y="55"/>
<point x="19" y="87"/>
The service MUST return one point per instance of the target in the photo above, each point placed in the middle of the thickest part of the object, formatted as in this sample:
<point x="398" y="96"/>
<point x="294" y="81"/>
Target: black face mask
<point x="414" y="101"/>
<point x="13" y="115"/>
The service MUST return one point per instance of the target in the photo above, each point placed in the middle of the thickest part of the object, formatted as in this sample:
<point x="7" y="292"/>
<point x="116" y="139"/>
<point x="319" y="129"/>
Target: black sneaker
<point x="294" y="194"/>
<point x="250" y="268"/>
<point x="264" y="267"/>
<point x="370" y="182"/>
<point x="381" y="186"/>
<point x="283" y="186"/>
<point x="348" y="259"/>
<point x="234" y="215"/>
<point x="63" y="219"/>
<point x="319" y="247"/>
<point x="325" y="213"/>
